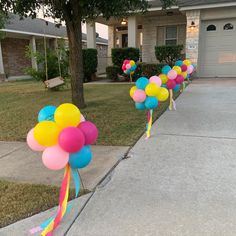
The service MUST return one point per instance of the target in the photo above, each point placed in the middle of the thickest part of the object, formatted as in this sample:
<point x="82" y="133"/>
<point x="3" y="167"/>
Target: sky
<point x="101" y="29"/>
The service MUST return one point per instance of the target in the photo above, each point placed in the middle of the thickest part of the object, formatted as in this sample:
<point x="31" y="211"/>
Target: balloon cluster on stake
<point x="147" y="93"/>
<point x="129" y="67"/>
<point x="173" y="78"/>
<point x="63" y="136"/>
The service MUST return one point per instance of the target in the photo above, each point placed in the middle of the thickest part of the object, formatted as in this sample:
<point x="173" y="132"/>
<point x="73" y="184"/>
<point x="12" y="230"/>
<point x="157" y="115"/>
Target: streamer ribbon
<point x="64" y="208"/>
<point x="149" y="124"/>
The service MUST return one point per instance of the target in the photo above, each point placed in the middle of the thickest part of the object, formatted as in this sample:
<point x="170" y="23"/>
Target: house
<point x="31" y="32"/>
<point x="206" y="28"/>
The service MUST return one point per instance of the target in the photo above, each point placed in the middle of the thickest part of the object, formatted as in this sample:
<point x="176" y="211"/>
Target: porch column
<point x="111" y="39"/>
<point x="34" y="50"/>
<point x="1" y="62"/>
<point x="192" y="35"/>
<point x="91" y="34"/>
<point x="132" y="31"/>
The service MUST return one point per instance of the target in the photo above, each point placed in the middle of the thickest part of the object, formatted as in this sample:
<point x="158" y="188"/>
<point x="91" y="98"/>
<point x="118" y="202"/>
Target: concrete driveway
<point x="181" y="182"/>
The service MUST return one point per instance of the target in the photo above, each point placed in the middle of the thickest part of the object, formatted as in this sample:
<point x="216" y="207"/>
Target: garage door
<point x="218" y="48"/>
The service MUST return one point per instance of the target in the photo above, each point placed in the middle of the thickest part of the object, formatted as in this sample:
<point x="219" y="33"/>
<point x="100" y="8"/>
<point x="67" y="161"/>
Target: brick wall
<point x="14" y="59"/>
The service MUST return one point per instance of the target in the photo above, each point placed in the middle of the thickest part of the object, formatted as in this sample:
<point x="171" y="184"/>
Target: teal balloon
<point x="151" y="102"/>
<point x="47" y="113"/>
<point x="81" y="159"/>
<point x="165" y="69"/>
<point x="140" y="106"/>
<point x="142" y="83"/>
<point x="176" y="88"/>
<point x="164" y="86"/>
<point x="179" y="63"/>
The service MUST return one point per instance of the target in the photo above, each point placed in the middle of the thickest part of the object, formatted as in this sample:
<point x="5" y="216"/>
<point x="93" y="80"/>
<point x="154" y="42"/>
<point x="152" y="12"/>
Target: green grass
<point x="108" y="106"/>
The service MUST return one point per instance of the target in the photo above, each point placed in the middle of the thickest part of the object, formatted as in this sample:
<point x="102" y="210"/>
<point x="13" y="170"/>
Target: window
<point x="171" y="35"/>
<point x="124" y="40"/>
<point x="228" y="26"/>
<point x="211" y="28"/>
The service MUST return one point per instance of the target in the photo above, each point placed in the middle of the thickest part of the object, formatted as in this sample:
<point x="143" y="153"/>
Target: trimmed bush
<point x="120" y="54"/>
<point x="150" y="69"/>
<point x="112" y="72"/>
<point x="168" y="54"/>
<point x="90" y="59"/>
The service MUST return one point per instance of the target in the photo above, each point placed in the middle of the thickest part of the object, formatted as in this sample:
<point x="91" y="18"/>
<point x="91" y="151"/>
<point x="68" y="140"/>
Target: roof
<point x="189" y="3"/>
<point x="41" y="27"/>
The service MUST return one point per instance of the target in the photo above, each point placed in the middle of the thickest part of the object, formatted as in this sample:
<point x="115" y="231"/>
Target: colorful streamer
<point x="64" y="208"/>
<point x="149" y="124"/>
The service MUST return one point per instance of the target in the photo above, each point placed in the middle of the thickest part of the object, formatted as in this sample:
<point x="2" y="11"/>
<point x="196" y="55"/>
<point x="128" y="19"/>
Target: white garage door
<point x="218" y="48"/>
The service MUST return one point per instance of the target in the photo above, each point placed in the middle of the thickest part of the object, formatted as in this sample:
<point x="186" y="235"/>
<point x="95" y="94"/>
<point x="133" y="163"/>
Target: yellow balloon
<point x="187" y="62"/>
<point x="132" y="63"/>
<point x="152" y="90"/>
<point x="163" y="95"/>
<point x="46" y="133"/>
<point x="184" y="74"/>
<point x="66" y="115"/>
<point x="177" y="69"/>
<point x="132" y="91"/>
<point x="164" y="78"/>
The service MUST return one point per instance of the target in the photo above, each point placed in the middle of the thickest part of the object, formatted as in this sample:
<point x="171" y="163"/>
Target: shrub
<point x="90" y="60"/>
<point x="120" y="54"/>
<point x="112" y="72"/>
<point x="168" y="54"/>
<point x="150" y="69"/>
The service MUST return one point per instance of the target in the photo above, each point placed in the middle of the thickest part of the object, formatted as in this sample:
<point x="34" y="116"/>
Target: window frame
<point x="169" y="39"/>
<point x="210" y="30"/>
<point x="226" y="25"/>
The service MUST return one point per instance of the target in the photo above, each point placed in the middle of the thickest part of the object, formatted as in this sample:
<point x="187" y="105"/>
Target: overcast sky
<point x="102" y="30"/>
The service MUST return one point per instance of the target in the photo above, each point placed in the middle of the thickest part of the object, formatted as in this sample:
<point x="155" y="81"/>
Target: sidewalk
<point x="180" y="182"/>
<point x="17" y="161"/>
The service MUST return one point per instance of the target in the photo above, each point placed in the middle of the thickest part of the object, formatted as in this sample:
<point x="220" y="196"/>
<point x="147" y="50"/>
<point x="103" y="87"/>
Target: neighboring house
<point x="21" y="33"/>
<point x="206" y="28"/>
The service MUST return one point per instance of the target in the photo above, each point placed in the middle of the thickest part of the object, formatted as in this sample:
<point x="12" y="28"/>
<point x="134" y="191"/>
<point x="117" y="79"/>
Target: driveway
<point x="182" y="181"/>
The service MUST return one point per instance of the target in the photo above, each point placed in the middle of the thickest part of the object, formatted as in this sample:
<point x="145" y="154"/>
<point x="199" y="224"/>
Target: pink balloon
<point x="155" y="79"/>
<point x="179" y="79"/>
<point x="126" y="61"/>
<point x="32" y="143"/>
<point x="90" y="132"/>
<point x="171" y="84"/>
<point x="139" y="96"/>
<point x="184" y="68"/>
<point x="190" y="69"/>
<point x="71" y="139"/>
<point x="172" y="74"/>
<point x="123" y="67"/>
<point x="82" y="119"/>
<point x="54" y="158"/>
<point x="128" y="66"/>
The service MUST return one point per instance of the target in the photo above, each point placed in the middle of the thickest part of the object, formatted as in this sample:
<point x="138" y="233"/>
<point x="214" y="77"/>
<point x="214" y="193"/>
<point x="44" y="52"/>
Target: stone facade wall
<point x="14" y="58"/>
<point x="192" y="35"/>
<point x="150" y="33"/>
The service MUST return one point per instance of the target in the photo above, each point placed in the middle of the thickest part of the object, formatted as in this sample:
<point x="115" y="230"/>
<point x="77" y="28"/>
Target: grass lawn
<point x="108" y="106"/>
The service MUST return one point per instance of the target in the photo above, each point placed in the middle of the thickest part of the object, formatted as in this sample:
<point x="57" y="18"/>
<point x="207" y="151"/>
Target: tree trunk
<point x="74" y="33"/>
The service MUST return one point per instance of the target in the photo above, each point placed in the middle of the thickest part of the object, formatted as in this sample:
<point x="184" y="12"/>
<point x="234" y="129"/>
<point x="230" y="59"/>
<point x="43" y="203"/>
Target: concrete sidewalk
<point x="181" y="182"/>
<point x="17" y="160"/>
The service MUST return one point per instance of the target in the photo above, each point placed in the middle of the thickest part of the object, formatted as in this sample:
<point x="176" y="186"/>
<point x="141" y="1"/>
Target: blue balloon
<point x="179" y="63"/>
<point x="142" y="82"/>
<point x="164" y="86"/>
<point x="81" y="159"/>
<point x="47" y="113"/>
<point x="151" y="102"/>
<point x="165" y="69"/>
<point x="134" y="67"/>
<point x="140" y="106"/>
<point x="176" y="88"/>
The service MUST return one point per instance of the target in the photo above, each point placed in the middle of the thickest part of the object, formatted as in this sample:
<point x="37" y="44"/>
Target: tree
<point x="2" y="23"/>
<point x="73" y="12"/>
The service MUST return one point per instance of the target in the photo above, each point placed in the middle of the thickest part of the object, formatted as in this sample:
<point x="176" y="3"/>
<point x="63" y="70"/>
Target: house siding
<point x="14" y="56"/>
<point x="153" y="33"/>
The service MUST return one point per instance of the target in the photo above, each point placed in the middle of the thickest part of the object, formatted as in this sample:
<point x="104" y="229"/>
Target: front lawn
<point x="108" y="106"/>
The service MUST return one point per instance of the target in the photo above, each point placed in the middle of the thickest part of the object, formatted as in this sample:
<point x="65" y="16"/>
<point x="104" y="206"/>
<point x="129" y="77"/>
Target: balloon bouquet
<point x="147" y="93"/>
<point x="129" y="67"/>
<point x="63" y="136"/>
<point x="173" y="78"/>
